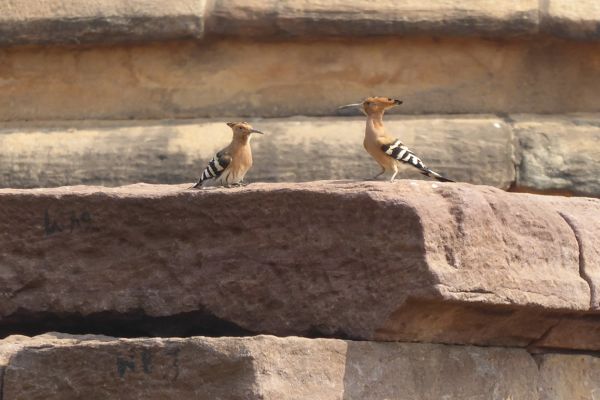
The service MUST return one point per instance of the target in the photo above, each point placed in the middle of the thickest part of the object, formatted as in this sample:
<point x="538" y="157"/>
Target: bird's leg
<point x="394" y="174"/>
<point x="378" y="175"/>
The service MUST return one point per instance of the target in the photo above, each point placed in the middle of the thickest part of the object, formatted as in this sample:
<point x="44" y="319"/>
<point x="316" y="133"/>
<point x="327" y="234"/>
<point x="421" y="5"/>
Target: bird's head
<point x="242" y="130"/>
<point x="374" y="105"/>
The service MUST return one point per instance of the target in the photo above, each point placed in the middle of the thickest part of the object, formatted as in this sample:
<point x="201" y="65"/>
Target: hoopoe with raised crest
<point x="388" y="151"/>
<point x="229" y="166"/>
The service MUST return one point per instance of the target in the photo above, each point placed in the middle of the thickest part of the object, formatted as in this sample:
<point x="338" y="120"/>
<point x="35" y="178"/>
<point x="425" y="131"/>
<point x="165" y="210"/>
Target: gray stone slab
<point x="558" y="153"/>
<point x="476" y="149"/>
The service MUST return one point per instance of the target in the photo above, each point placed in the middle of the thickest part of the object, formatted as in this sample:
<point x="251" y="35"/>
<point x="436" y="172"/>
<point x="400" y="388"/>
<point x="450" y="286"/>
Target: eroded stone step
<point x="547" y="154"/>
<point x="477" y="149"/>
<point x="413" y="260"/>
<point x="59" y="366"/>
<point x="63" y="367"/>
<point x="233" y="77"/>
<point x="110" y="21"/>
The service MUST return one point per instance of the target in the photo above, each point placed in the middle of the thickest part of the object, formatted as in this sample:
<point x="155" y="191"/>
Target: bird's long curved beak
<point x="354" y="105"/>
<point x="256" y="131"/>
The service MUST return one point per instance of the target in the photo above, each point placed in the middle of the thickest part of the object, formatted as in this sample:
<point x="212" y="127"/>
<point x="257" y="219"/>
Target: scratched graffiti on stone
<point x="67" y="223"/>
<point x="143" y="362"/>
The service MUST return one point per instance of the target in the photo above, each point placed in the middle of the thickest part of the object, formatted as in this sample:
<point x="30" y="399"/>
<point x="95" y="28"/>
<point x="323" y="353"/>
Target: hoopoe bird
<point x="229" y="166"/>
<point x="389" y="152"/>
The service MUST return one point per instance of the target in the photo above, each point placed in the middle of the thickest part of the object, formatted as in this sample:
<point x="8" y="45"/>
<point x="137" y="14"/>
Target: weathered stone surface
<point x="108" y="21"/>
<point x="467" y="148"/>
<point x="572" y="19"/>
<point x="558" y="153"/>
<point x="417" y="261"/>
<point x="569" y="332"/>
<point x="15" y="343"/>
<point x="232" y="78"/>
<point x="367" y="18"/>
<point x="103" y="21"/>
<point x="264" y="368"/>
<point x="569" y="376"/>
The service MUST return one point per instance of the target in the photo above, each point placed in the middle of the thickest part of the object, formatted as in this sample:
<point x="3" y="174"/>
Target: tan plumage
<point x="388" y="151"/>
<point x="230" y="165"/>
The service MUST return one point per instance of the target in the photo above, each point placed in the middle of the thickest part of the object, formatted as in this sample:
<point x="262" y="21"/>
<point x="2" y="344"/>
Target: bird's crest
<point x="232" y="124"/>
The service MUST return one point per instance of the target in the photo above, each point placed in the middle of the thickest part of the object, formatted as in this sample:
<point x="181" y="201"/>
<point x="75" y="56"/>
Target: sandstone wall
<point x="263" y="367"/>
<point x="142" y="60"/>
<point x="421" y="262"/>
<point x="411" y="290"/>
<point x="235" y="77"/>
<point x="59" y="366"/>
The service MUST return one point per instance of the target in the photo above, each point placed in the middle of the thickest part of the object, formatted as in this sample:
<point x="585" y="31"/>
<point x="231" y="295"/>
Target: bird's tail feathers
<point x="198" y="184"/>
<point x="432" y="174"/>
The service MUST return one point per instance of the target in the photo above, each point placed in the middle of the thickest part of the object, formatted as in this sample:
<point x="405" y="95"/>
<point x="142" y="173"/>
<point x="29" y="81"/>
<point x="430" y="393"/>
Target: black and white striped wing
<point x="400" y="152"/>
<point x="215" y="168"/>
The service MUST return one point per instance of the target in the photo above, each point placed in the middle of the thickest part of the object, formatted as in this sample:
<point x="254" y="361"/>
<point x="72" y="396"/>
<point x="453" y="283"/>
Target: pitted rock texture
<point x="411" y="260"/>
<point x="70" y="367"/>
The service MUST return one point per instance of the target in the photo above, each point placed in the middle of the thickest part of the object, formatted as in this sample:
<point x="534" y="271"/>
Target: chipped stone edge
<point x="582" y="261"/>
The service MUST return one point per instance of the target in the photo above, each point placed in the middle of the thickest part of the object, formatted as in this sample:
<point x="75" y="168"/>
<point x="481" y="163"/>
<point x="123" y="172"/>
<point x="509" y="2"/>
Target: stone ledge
<point x="551" y="154"/>
<point x="105" y="21"/>
<point x="172" y="80"/>
<point x="291" y="18"/>
<point x="66" y="367"/>
<point x="109" y="21"/>
<point x="421" y="261"/>
<point x="476" y="149"/>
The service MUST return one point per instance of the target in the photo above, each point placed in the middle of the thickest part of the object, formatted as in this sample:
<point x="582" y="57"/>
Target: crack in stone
<point x="533" y="344"/>
<point x="130" y="324"/>
<point x="515" y="152"/>
<point x="582" y="265"/>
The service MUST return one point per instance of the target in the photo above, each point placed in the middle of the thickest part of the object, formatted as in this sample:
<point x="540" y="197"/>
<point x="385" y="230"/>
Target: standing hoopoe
<point x="230" y="165"/>
<point x="385" y="149"/>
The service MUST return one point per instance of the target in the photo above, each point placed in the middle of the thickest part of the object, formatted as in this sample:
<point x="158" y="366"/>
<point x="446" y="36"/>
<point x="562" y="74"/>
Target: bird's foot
<point x="239" y="184"/>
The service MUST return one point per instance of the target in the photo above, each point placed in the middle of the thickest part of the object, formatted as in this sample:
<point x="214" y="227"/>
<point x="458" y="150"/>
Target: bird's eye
<point x="368" y="103"/>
